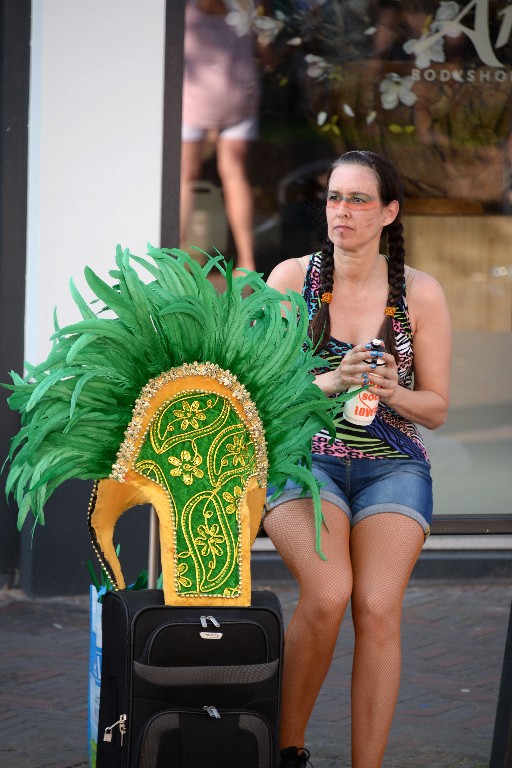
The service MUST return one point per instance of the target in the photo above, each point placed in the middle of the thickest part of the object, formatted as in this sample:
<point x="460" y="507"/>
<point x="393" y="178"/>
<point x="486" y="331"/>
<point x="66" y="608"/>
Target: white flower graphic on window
<point x="445" y="14"/>
<point x="426" y="50"/>
<point x="430" y="46"/>
<point x="240" y="16"/>
<point x="395" y="89"/>
<point x="317" y="67"/>
<point x="267" y="29"/>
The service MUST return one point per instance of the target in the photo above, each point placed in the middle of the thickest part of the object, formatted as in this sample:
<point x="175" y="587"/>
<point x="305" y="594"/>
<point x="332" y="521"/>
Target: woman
<point x="221" y="90"/>
<point x="377" y="495"/>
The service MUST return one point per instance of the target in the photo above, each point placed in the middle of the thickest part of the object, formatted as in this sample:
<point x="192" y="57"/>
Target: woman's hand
<point x="360" y="368"/>
<point x="384" y="379"/>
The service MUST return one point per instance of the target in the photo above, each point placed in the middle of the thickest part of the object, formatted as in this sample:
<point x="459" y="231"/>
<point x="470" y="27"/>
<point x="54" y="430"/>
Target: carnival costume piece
<point x="174" y="394"/>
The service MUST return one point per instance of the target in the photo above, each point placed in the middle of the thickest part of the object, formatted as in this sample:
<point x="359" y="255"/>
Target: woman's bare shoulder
<point x="422" y="287"/>
<point x="288" y="274"/>
<point x="426" y="301"/>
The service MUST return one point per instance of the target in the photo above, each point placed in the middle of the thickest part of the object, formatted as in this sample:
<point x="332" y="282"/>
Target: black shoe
<point x="292" y="758"/>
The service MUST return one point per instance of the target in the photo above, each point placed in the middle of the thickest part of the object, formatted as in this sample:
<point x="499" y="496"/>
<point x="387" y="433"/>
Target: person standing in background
<point x="221" y="97"/>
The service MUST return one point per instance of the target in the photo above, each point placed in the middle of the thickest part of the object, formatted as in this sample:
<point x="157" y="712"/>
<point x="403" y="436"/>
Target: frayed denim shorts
<point x="364" y="487"/>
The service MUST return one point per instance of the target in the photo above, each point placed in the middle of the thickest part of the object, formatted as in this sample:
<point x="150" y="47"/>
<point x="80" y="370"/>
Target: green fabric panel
<point x="200" y="451"/>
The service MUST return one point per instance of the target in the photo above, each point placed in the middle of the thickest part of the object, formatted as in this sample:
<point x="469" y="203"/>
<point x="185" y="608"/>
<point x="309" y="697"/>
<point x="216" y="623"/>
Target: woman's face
<point x="355" y="213"/>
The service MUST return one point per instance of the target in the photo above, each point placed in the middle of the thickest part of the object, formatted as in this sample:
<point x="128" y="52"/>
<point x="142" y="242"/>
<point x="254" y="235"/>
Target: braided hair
<point x="390" y="188"/>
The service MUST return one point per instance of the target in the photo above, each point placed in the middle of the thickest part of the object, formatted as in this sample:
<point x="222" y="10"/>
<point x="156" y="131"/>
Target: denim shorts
<point x="364" y="487"/>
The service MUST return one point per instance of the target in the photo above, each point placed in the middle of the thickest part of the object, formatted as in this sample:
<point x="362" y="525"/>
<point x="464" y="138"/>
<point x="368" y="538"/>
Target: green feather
<point x="81" y="303"/>
<point x="76" y="404"/>
<point x="109" y="296"/>
<point x="49" y="381"/>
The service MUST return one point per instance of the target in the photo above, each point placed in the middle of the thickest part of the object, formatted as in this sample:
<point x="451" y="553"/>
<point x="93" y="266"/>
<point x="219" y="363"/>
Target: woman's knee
<point x="377" y="613"/>
<point x="326" y="603"/>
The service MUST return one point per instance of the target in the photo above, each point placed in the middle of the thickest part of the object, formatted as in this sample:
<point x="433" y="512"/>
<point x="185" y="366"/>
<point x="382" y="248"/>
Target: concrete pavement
<point x="453" y="636"/>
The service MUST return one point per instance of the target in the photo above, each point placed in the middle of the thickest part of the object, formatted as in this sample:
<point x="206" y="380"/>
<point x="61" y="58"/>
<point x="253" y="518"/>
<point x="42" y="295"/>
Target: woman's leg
<point x="191" y="165"/>
<point x="325" y="588"/>
<point x="231" y="157"/>
<point x="384" y="549"/>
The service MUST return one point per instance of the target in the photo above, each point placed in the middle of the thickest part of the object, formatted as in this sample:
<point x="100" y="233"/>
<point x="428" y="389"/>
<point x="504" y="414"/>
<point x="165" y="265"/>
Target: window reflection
<point x="221" y="89"/>
<point x="429" y="84"/>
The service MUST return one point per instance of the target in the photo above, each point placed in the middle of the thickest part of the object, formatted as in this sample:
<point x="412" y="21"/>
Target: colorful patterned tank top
<point x="389" y="436"/>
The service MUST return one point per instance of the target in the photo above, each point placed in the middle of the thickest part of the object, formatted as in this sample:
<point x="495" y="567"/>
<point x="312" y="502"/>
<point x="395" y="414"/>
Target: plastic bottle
<point x="361" y="408"/>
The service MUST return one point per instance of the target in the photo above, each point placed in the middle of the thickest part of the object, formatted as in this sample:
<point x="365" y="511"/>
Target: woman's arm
<point x="427" y="404"/>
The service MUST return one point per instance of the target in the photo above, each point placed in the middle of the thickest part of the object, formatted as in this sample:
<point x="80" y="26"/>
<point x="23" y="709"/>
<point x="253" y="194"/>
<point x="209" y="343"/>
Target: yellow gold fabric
<point x="195" y="450"/>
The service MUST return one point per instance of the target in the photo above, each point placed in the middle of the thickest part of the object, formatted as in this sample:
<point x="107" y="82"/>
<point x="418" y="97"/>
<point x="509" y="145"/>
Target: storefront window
<point x="429" y="84"/>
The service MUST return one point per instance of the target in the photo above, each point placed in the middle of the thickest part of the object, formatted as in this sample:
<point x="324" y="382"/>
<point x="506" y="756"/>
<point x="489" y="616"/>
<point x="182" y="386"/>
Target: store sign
<point x="427" y="83"/>
<point x="429" y="47"/>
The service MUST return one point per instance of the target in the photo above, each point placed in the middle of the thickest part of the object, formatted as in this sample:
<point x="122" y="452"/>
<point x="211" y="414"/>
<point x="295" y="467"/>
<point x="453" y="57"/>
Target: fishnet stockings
<point x="378" y="557"/>
<point x="324" y="592"/>
<point x="383" y="548"/>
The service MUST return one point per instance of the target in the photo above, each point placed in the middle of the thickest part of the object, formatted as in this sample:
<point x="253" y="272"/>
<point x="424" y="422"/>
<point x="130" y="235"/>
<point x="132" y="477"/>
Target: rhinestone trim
<point x="132" y="436"/>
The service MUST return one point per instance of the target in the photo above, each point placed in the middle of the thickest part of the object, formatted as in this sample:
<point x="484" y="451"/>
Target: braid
<point x="320" y="324"/>
<point x="396" y="281"/>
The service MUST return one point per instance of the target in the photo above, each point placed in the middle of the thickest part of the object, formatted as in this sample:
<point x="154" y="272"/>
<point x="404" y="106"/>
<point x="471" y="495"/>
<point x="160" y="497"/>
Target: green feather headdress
<point x="82" y="407"/>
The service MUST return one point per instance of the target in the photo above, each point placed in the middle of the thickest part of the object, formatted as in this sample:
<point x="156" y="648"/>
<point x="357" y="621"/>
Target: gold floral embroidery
<point x="187" y="468"/>
<point x="232" y="499"/>
<point x="182" y="579"/>
<point x="130" y="445"/>
<point x="238" y="451"/>
<point x="191" y="415"/>
<point x="209" y="541"/>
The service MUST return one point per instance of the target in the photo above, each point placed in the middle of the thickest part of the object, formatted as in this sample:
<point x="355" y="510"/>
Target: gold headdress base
<point x="195" y="450"/>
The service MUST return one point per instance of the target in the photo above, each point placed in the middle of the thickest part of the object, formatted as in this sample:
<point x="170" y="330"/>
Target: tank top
<point x="389" y="436"/>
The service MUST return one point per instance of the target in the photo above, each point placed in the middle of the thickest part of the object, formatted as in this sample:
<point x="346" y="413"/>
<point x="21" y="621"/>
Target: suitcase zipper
<point x="203" y="622"/>
<point x="166" y="722"/>
<point x="213" y="712"/>
<point x="107" y="734"/>
<point x="205" y="619"/>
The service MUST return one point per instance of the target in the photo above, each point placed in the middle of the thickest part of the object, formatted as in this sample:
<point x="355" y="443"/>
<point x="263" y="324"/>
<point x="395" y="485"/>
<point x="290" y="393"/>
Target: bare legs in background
<point x="238" y="199"/>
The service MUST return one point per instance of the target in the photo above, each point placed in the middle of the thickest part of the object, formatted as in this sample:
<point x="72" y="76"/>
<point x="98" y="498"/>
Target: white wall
<point x="95" y="147"/>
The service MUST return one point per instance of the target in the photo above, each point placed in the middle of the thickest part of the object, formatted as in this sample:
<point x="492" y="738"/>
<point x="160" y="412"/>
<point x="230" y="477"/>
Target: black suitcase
<point x="189" y="687"/>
